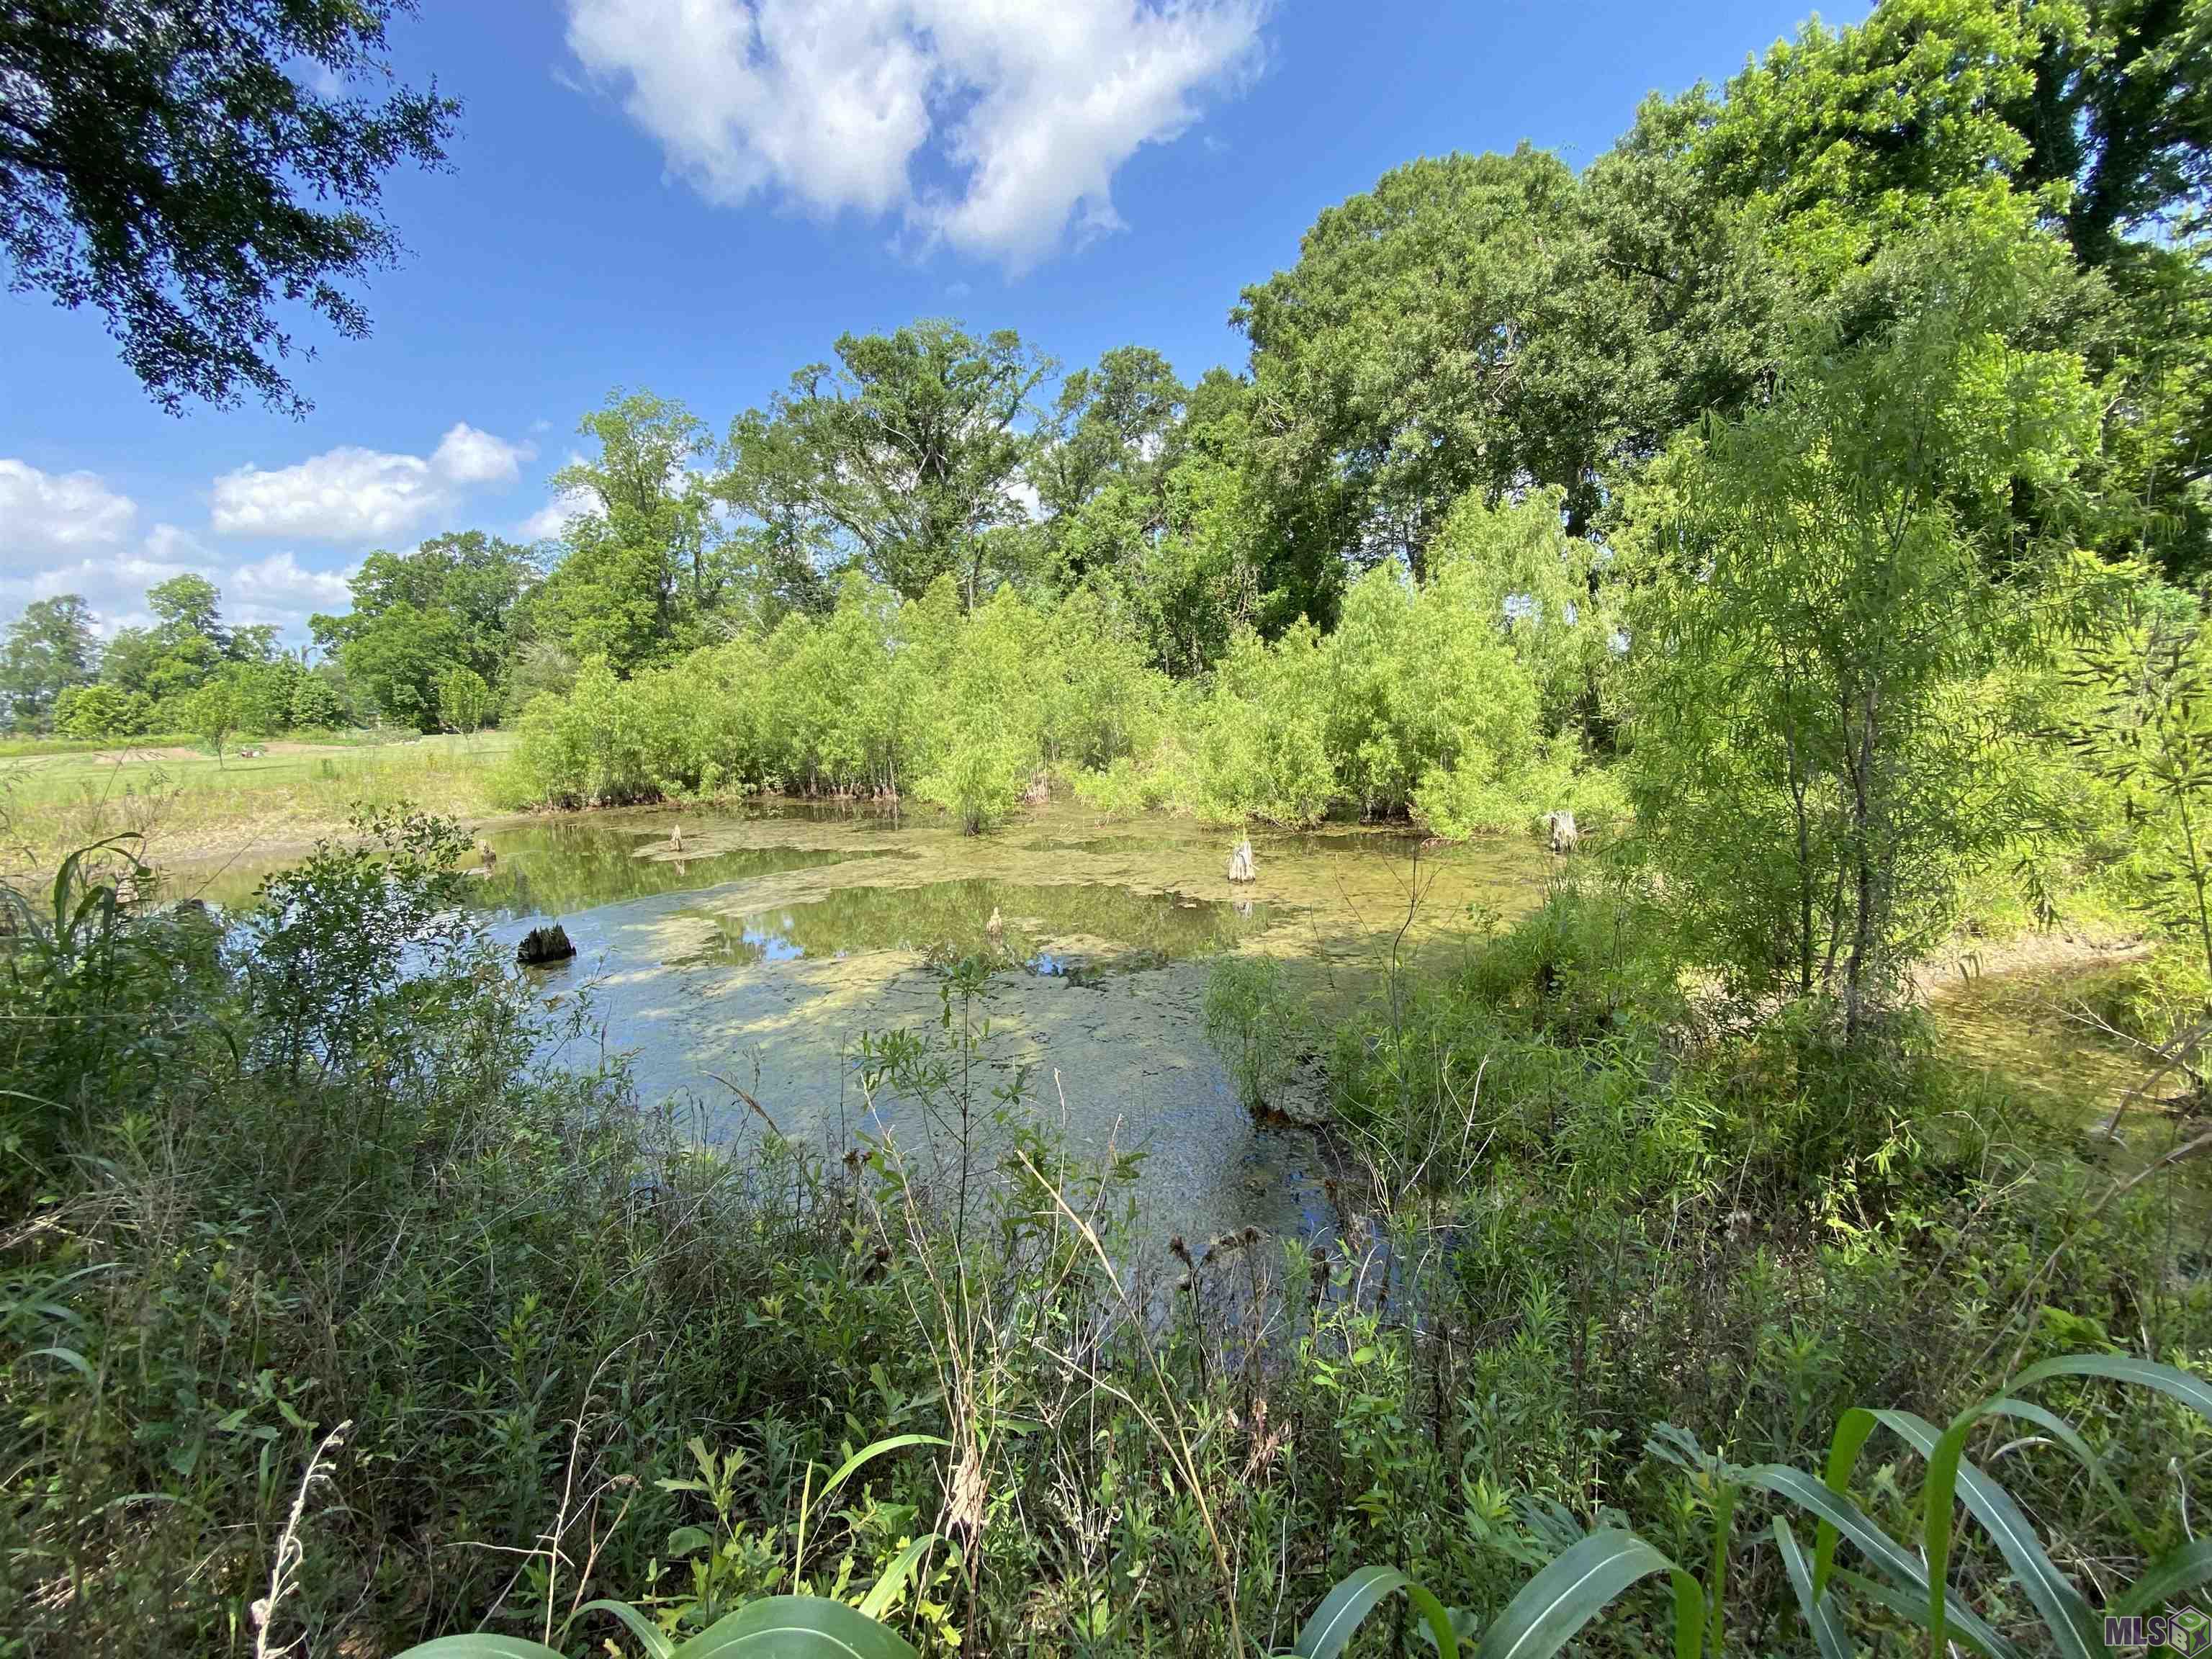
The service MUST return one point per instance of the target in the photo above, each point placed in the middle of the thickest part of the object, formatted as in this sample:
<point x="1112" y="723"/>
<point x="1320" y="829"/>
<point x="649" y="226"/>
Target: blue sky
<point x="698" y="196"/>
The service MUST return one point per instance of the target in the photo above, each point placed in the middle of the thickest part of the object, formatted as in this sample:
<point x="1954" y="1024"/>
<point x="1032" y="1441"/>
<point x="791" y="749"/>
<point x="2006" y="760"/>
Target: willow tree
<point x="1823" y="740"/>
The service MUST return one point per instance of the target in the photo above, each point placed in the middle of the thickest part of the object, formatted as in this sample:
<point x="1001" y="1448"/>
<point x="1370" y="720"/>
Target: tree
<point x="464" y="702"/>
<point x="102" y="711"/>
<point x="644" y="569"/>
<point x="187" y="605"/>
<point x="50" y="649"/>
<point x="211" y="713"/>
<point x="1407" y="358"/>
<point x="185" y="646"/>
<point x="318" y="704"/>
<point x="188" y="169"/>
<point x="1821" y="739"/>
<point x="1114" y="422"/>
<point x="457" y="600"/>
<point x="901" y="456"/>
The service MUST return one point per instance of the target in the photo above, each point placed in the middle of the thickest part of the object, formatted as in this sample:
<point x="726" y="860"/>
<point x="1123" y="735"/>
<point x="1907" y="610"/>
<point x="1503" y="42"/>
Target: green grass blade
<point x="2176" y="1571"/>
<point x="1574" y="1589"/>
<point x="797" y="1627"/>
<point x="1345" y="1608"/>
<point x="1964" y="1627"/>
<point x="1820" y="1612"/>
<point x="2193" y="1392"/>
<point x="2073" y="1630"/>
<point x="2065" y="1434"/>
<point x="482" y="1644"/>
<point x="879" y="1600"/>
<point x="1832" y="1509"/>
<point x="1851" y="1432"/>
<point x="808" y="1503"/>
<point x="1901" y="1566"/>
<point x="656" y="1645"/>
<point x="867" y="1453"/>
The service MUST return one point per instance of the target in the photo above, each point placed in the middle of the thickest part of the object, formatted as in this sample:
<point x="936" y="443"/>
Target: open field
<point x="187" y="801"/>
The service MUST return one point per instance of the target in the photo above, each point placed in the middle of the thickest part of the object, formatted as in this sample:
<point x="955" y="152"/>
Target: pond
<point x="756" y="956"/>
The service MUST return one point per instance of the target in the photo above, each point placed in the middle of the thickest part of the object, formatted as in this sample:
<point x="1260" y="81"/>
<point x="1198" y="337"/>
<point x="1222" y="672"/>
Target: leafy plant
<point x="1589" y="1576"/>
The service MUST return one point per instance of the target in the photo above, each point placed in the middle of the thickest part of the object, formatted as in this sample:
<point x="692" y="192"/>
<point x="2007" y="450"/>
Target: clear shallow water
<point x="756" y="957"/>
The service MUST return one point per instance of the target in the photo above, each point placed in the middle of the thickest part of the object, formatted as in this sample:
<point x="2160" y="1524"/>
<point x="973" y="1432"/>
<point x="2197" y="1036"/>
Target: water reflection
<point x="1063" y="929"/>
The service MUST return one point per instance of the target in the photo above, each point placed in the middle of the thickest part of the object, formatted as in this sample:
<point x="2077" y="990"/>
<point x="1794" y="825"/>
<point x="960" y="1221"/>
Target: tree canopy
<point x="184" y="170"/>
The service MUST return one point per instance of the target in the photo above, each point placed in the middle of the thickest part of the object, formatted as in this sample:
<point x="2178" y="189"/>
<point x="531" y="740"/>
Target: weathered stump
<point x="542" y="946"/>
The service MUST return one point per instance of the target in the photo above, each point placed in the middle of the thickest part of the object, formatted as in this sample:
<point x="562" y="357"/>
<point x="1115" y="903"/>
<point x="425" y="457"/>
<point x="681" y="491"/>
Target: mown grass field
<point x="55" y="798"/>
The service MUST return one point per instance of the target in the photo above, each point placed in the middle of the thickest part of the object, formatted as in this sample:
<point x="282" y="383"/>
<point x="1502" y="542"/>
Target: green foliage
<point x="1419" y="704"/>
<point x="102" y="712"/>
<point x="879" y="697"/>
<point x="456" y="602"/>
<point x="464" y="702"/>
<point x="1822" y="737"/>
<point x="1255" y="1024"/>
<point x="49" y="652"/>
<point x="897" y="461"/>
<point x="211" y="714"/>
<point x="116" y="189"/>
<point x="318" y="704"/>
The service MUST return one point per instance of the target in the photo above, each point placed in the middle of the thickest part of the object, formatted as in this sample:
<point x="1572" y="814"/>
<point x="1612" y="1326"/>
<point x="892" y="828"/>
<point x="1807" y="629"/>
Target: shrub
<point x="102" y="712"/>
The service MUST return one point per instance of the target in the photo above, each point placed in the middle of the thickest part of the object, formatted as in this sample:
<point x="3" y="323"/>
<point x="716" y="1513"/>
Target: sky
<point x="698" y="196"/>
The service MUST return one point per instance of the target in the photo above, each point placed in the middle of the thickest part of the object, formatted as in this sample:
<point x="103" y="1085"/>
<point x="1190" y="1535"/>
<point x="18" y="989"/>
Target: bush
<point x="102" y="713"/>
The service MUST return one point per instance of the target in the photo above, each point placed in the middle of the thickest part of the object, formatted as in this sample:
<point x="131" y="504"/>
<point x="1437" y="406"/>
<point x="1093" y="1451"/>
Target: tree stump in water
<point x="1241" y="867"/>
<point x="1565" y="837"/>
<point x="1039" y="792"/>
<point x="542" y="946"/>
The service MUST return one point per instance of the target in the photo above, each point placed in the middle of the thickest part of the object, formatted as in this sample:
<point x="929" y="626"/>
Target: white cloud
<point x="355" y="495"/>
<point x="552" y="519"/>
<point x="71" y="533"/>
<point x="50" y="514"/>
<point x="1029" y="105"/>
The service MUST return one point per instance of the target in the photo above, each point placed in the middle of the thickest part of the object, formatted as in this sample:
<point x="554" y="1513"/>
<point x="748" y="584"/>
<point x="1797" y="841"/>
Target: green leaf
<point x="1346" y="1609"/>
<point x="1900" y="1564"/>
<point x="68" y="1356"/>
<point x="1819" y="1611"/>
<point x="2193" y="1392"/>
<point x="880" y="1600"/>
<point x="2177" y="1570"/>
<point x="1962" y="1626"/>
<point x="1574" y="1589"/>
<point x="1851" y="1432"/>
<point x="482" y="1644"/>
<point x="656" y="1643"/>
<point x="873" y="1450"/>
<point x="2065" y="1434"/>
<point x="809" y="1501"/>
<point x="797" y="1627"/>
<point x="2073" y="1628"/>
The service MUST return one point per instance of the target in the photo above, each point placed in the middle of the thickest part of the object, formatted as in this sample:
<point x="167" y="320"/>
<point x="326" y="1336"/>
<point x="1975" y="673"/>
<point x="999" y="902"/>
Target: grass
<point x="59" y="796"/>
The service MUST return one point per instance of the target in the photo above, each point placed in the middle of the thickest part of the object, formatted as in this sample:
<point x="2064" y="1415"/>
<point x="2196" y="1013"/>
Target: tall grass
<point x="182" y="801"/>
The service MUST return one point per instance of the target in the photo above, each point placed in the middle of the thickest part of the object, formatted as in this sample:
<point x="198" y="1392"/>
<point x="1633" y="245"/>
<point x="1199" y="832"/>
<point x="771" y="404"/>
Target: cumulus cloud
<point x="46" y="514"/>
<point x="1027" y="106"/>
<point x="276" y="590"/>
<point x="355" y="495"/>
<point x="71" y="533"/>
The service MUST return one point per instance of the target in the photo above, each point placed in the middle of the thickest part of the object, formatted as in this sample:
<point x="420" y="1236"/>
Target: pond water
<point x="756" y="957"/>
